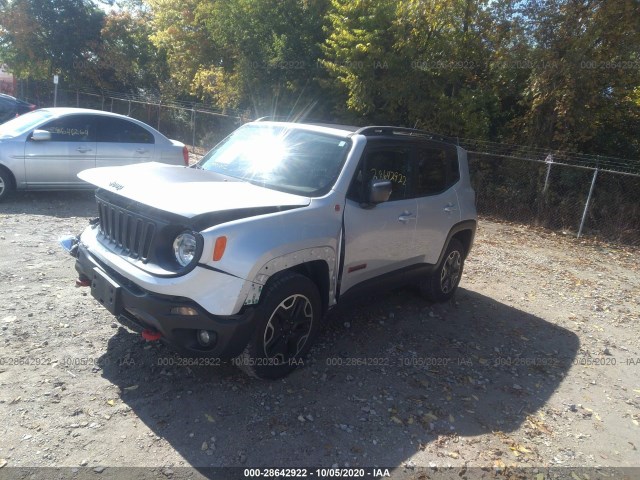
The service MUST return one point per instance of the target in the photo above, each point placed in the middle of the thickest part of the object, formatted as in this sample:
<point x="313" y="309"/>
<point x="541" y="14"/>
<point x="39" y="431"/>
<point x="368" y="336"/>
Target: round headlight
<point x="184" y="248"/>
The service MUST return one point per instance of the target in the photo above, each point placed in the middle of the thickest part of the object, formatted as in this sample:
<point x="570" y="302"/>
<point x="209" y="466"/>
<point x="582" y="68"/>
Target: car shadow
<point x="386" y="378"/>
<point x="79" y="203"/>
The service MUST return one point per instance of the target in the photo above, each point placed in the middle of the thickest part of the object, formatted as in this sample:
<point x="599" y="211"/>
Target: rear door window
<point x="437" y="168"/>
<point x="118" y="130"/>
<point x="6" y="109"/>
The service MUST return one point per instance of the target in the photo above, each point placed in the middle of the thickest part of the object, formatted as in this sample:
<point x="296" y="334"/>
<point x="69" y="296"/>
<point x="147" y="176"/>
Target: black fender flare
<point x="465" y="225"/>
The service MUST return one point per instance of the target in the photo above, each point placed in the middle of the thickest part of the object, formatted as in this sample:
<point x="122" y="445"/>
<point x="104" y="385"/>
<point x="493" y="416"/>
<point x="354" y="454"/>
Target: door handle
<point x="83" y="149"/>
<point x="406" y="216"/>
<point x="141" y="150"/>
<point x="450" y="207"/>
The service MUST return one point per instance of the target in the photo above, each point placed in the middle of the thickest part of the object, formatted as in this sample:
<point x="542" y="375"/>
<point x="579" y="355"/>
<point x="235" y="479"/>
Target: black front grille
<point x="125" y="230"/>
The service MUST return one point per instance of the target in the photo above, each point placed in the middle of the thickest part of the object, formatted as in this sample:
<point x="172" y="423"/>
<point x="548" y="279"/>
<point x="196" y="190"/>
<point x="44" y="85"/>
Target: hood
<point x="188" y="192"/>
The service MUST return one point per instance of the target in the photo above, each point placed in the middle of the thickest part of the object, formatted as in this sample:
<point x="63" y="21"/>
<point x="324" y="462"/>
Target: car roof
<point x="8" y="97"/>
<point x="14" y="99"/>
<point x="338" y="130"/>
<point x="58" y="111"/>
<point x="372" y="131"/>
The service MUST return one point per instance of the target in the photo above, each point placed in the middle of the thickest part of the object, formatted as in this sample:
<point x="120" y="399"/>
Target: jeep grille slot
<point x="132" y="234"/>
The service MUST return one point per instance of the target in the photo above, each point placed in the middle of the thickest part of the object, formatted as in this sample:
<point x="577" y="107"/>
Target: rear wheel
<point x="288" y="320"/>
<point x="6" y="184"/>
<point x="442" y="284"/>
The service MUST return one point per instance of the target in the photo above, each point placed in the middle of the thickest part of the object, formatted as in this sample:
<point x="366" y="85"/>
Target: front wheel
<point x="288" y="320"/>
<point x="6" y="184"/>
<point x="442" y="284"/>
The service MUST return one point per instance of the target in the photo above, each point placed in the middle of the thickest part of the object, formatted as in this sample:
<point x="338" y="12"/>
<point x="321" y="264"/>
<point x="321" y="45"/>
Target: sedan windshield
<point x="23" y="123"/>
<point x="290" y="160"/>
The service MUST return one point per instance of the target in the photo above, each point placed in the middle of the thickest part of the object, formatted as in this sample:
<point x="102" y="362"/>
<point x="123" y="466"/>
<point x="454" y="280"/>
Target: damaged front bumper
<point x="178" y="321"/>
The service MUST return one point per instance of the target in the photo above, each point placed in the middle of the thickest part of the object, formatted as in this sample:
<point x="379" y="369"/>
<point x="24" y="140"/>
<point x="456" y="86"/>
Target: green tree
<point x="414" y="62"/>
<point x="43" y="37"/>
<point x="126" y="58"/>
<point x="244" y="54"/>
<point x="580" y="95"/>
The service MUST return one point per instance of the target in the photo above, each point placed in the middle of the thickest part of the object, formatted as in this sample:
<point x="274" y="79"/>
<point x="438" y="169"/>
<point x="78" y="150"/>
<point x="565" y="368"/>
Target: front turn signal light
<point x="218" y="249"/>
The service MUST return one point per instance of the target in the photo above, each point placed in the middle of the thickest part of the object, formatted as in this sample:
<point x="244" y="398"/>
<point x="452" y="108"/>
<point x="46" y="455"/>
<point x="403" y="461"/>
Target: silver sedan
<point x="47" y="148"/>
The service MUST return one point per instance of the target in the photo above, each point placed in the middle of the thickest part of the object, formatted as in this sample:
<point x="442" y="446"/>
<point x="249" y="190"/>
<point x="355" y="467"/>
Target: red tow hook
<point x="151" y="335"/>
<point x="82" y="282"/>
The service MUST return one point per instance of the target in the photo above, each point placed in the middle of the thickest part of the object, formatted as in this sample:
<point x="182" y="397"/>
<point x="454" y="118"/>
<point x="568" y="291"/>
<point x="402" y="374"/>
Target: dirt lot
<point x="534" y="364"/>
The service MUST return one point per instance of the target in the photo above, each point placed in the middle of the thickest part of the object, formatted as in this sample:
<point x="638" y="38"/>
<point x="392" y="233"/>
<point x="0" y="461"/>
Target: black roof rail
<point x="390" y="130"/>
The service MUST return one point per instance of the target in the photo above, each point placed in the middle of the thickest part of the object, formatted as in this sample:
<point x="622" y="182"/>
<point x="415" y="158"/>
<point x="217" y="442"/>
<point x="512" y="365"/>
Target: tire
<point x="442" y="284"/>
<point x="6" y="184"/>
<point x="287" y="322"/>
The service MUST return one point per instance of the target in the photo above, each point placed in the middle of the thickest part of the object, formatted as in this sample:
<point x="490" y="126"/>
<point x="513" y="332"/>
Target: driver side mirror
<point x="379" y="191"/>
<point x="41" y="135"/>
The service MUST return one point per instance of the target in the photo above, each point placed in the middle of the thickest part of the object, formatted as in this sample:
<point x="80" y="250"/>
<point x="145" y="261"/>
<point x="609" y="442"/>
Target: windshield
<point x="290" y="160"/>
<point x="23" y="123"/>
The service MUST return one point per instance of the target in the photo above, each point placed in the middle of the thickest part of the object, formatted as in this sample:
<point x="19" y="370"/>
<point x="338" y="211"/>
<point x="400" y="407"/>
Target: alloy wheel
<point x="451" y="272"/>
<point x="288" y="329"/>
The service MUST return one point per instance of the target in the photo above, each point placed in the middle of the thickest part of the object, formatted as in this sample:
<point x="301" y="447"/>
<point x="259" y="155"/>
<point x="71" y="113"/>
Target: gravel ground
<point x="534" y="364"/>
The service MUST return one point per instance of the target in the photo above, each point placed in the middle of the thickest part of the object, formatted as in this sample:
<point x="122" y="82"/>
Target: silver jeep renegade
<point x="241" y="255"/>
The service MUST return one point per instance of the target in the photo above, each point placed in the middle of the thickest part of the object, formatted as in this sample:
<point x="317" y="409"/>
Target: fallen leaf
<point x="111" y="402"/>
<point x="209" y="418"/>
<point x="538" y="425"/>
<point x="396" y="420"/>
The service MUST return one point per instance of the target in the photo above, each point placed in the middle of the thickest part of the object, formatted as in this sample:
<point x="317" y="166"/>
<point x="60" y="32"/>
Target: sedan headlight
<point x="185" y="247"/>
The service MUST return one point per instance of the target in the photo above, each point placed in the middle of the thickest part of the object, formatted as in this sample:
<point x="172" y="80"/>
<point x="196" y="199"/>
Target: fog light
<point x="184" y="311"/>
<point x="206" y="338"/>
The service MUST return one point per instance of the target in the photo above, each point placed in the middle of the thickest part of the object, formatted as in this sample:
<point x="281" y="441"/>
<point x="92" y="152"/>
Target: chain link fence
<point x="578" y="194"/>
<point x="579" y="200"/>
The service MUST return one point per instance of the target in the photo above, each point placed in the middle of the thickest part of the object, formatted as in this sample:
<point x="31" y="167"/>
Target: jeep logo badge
<point x="116" y="185"/>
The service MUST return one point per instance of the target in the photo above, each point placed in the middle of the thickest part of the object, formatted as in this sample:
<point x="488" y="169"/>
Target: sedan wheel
<point x="6" y="184"/>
